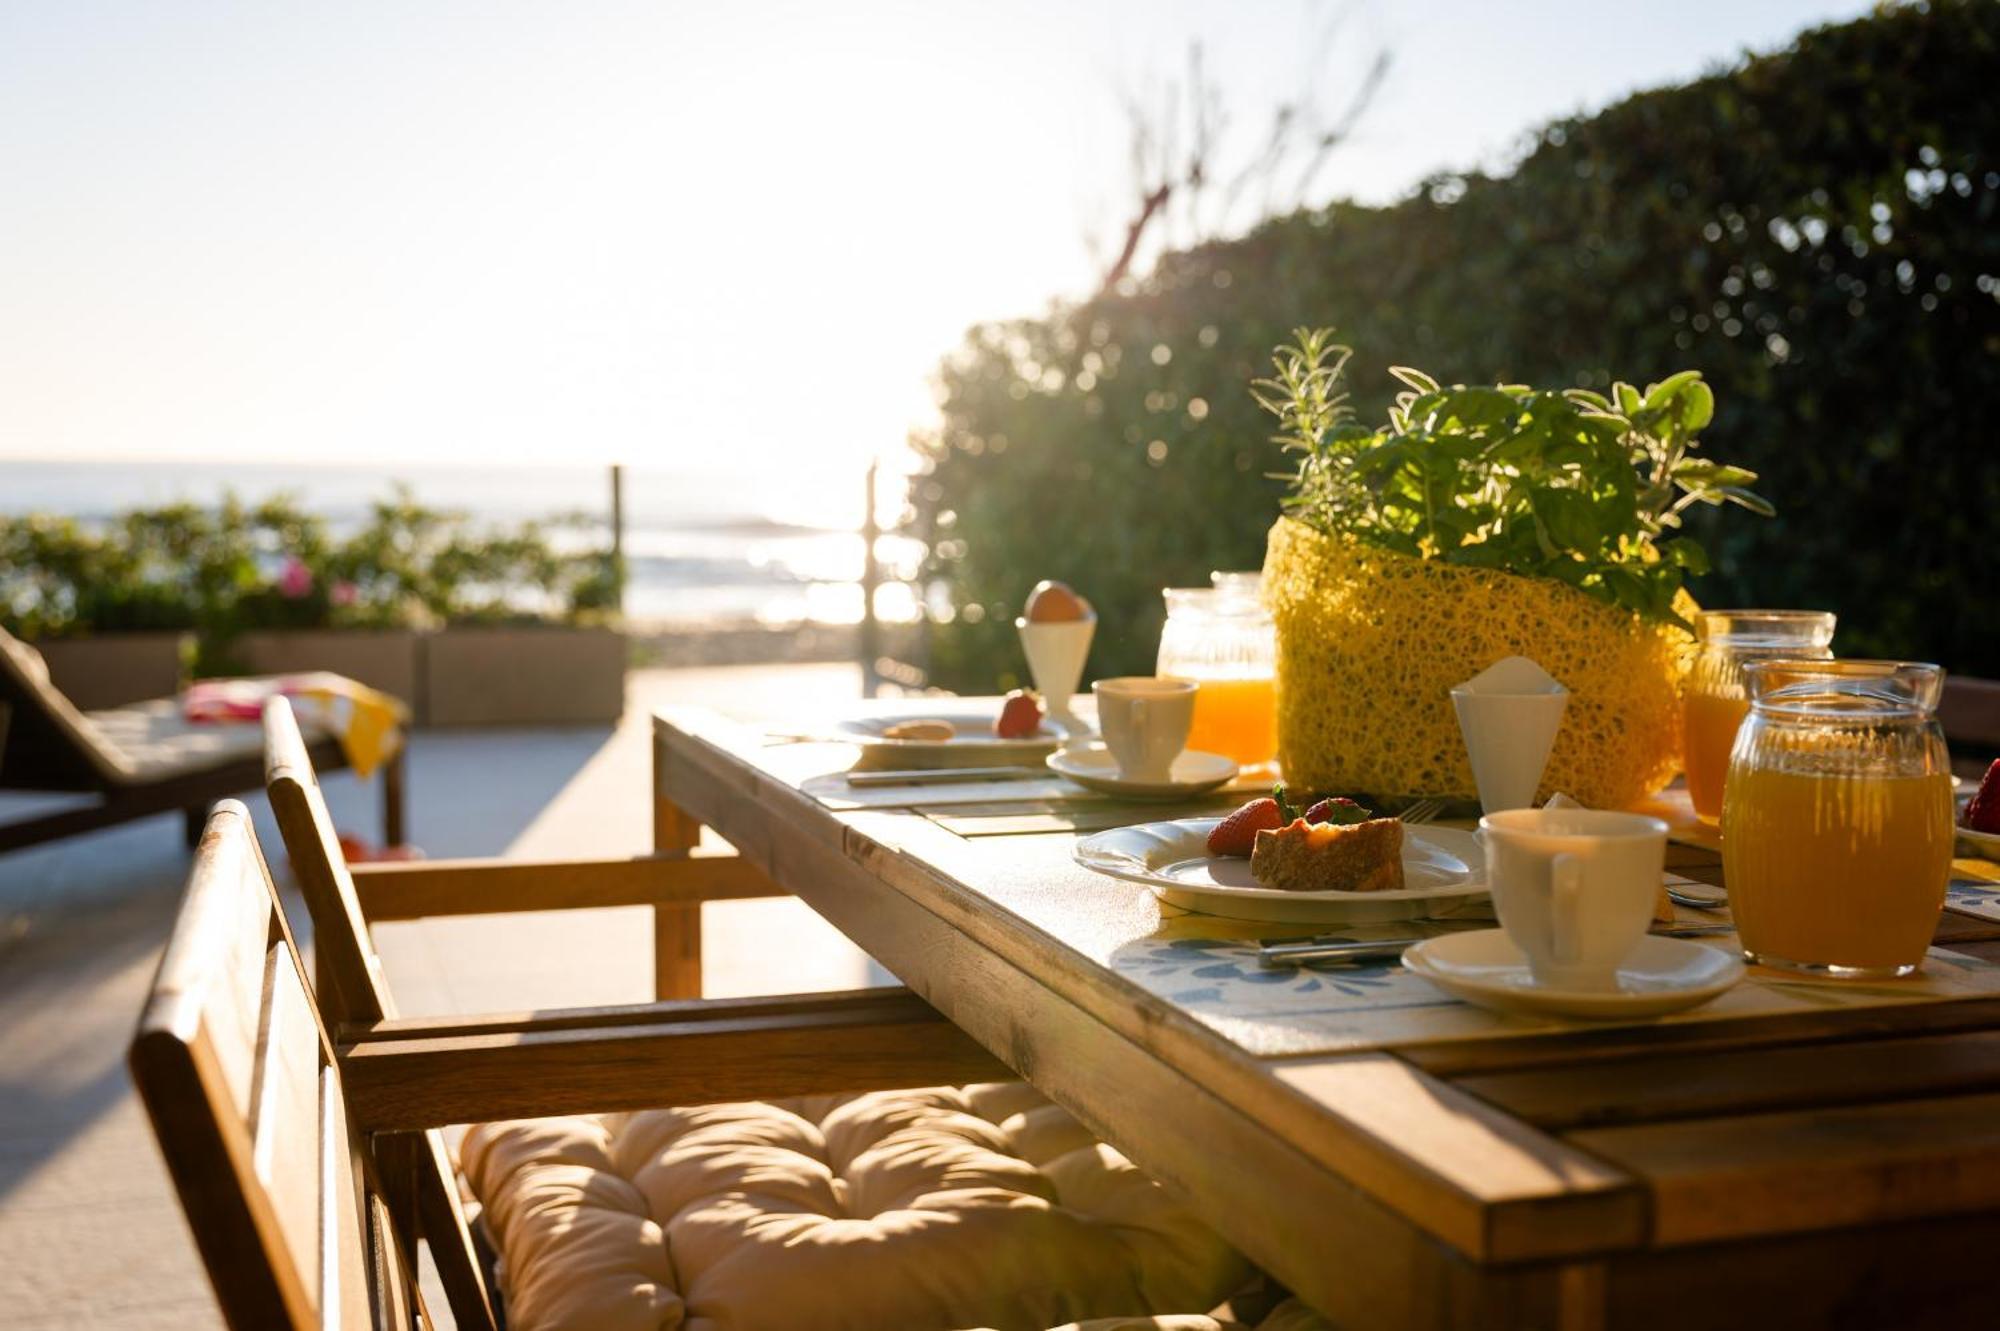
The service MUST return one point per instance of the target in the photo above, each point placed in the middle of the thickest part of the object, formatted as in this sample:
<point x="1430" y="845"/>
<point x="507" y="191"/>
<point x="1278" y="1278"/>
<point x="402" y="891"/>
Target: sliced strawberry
<point x="1020" y="715"/>
<point x="1337" y="809"/>
<point x="1983" y="813"/>
<point x="1237" y="834"/>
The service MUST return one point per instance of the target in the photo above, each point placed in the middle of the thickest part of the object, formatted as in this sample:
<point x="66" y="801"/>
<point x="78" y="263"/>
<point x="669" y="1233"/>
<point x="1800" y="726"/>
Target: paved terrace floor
<point x="90" y="1232"/>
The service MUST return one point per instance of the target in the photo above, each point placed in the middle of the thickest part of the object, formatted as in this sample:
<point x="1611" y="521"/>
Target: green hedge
<point x="1814" y="230"/>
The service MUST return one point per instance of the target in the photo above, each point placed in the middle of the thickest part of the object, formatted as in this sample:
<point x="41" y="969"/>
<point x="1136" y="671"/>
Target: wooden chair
<point x="139" y="760"/>
<point x="408" y="1076"/>
<point x="291" y="1217"/>
<point x="299" y="1203"/>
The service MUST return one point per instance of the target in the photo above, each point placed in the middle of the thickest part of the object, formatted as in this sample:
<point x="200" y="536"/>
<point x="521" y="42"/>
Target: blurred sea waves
<point x="698" y="553"/>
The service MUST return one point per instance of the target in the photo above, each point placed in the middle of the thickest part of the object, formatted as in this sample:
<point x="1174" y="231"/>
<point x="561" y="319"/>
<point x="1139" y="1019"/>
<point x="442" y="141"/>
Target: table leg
<point x="676" y="928"/>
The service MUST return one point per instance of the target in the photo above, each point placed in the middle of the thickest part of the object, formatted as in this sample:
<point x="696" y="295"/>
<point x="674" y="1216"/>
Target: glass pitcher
<point x="1714" y="703"/>
<point x="1222" y="637"/>
<point x="1837" y="824"/>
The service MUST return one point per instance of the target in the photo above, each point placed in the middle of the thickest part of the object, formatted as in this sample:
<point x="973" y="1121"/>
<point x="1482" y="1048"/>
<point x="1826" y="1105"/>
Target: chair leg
<point x="393" y="833"/>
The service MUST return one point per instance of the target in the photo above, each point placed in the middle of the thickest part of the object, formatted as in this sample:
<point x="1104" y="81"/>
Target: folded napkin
<point x="368" y="723"/>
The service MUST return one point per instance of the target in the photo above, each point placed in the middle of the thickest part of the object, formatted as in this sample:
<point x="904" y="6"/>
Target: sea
<point x="698" y="553"/>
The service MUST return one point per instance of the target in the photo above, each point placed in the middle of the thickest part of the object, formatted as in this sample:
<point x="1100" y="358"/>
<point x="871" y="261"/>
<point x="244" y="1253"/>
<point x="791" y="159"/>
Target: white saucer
<point x="1661" y="975"/>
<point x="1092" y="766"/>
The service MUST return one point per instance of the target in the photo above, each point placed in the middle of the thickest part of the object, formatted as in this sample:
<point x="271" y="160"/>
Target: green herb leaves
<point x="1582" y="487"/>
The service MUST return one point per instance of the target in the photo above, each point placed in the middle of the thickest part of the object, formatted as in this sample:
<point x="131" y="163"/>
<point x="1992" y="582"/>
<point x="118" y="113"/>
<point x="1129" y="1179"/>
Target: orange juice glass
<point x="1222" y="637"/>
<point x="1837" y="822"/>
<point x="1715" y="702"/>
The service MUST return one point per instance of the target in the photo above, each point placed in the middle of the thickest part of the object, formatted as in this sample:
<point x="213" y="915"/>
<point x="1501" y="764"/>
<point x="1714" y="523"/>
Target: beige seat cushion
<point x="937" y="1208"/>
<point x="153" y="741"/>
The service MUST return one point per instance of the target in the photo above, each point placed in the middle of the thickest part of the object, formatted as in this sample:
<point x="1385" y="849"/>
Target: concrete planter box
<point x="387" y="659"/>
<point x="112" y="669"/>
<point x="523" y="676"/>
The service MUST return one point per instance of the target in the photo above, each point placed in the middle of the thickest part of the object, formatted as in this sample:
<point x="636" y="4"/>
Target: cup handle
<point x="1565" y="902"/>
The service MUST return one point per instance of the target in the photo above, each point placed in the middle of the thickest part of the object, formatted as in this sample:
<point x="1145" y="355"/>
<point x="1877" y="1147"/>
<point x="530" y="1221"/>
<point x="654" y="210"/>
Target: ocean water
<point x="696" y="553"/>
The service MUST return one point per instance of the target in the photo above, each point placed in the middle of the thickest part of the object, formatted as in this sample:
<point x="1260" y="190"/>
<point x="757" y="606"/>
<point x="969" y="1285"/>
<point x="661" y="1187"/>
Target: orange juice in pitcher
<point x="1222" y="638"/>
<point x="1715" y="702"/>
<point x="1837" y="827"/>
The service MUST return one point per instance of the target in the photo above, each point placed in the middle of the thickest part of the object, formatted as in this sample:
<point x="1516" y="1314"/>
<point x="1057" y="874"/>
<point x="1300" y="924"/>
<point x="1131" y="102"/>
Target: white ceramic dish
<point x="1441" y="866"/>
<point x="974" y="744"/>
<point x="1986" y="843"/>
<point x="1662" y="975"/>
<point x="1093" y="767"/>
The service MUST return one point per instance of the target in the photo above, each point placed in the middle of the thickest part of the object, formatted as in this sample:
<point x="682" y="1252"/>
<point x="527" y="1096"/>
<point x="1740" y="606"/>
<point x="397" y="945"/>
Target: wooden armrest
<point x="418" y="889"/>
<point x="423" y="1073"/>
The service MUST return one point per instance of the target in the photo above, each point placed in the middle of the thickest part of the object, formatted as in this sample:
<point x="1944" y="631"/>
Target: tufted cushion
<point x="937" y="1208"/>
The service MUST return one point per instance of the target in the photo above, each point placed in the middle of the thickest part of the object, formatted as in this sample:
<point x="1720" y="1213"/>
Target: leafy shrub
<point x="235" y="568"/>
<point x="1813" y="231"/>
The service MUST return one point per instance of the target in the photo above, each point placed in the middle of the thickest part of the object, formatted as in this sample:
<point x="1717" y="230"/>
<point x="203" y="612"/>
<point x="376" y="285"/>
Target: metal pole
<point x="618" y="531"/>
<point x="871" y="577"/>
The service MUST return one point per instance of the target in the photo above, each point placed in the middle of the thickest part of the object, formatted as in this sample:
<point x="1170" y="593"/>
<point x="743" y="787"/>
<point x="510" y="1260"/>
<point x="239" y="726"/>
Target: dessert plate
<point x="1986" y="843"/>
<point x="974" y="744"/>
<point x="1093" y="767"/>
<point x="1442" y="870"/>
<point x="1662" y="975"/>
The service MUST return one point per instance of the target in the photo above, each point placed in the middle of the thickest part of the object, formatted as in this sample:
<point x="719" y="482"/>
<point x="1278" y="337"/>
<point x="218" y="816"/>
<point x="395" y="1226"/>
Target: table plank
<point x="1822" y="1168"/>
<point x="1650" y="1088"/>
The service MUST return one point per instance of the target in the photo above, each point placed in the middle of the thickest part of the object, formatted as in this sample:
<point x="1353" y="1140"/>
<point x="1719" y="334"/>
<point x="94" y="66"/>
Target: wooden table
<point x="1809" y="1165"/>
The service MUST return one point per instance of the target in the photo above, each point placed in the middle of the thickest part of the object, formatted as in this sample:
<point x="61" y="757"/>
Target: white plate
<point x="1986" y="843"/>
<point x="1092" y="766"/>
<point x="1441" y="865"/>
<point x="975" y="744"/>
<point x="1661" y="975"/>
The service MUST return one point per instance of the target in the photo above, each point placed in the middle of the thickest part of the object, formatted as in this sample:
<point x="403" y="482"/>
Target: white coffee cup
<point x="1144" y="720"/>
<point x="1574" y="888"/>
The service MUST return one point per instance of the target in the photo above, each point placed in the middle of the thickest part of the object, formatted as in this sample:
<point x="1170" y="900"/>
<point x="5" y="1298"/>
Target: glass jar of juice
<point x="1837" y="823"/>
<point x="1222" y="637"/>
<point x="1714" y="701"/>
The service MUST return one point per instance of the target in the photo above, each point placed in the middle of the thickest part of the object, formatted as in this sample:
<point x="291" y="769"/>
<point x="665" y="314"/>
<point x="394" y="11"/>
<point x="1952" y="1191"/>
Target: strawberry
<point x="1237" y="834"/>
<point x="1020" y="715"/>
<point x="1983" y="813"/>
<point x="1337" y="809"/>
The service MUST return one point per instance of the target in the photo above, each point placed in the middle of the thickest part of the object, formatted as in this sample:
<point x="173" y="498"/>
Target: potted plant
<point x="1478" y="523"/>
<point x="528" y="633"/>
<point x="102" y="606"/>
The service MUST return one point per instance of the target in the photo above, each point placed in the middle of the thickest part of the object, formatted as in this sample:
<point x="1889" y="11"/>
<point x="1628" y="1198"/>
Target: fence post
<point x="871" y="577"/>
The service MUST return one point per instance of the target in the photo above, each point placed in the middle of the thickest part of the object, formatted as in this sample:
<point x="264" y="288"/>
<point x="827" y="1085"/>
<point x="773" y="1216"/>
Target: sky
<point x="731" y="240"/>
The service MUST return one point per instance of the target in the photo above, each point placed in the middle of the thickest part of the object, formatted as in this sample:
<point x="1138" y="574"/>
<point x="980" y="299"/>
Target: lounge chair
<point x="139" y="760"/>
<point x="1032" y="1189"/>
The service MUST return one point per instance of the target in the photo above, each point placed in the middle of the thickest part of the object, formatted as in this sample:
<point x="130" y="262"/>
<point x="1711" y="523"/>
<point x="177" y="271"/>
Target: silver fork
<point x="1423" y="811"/>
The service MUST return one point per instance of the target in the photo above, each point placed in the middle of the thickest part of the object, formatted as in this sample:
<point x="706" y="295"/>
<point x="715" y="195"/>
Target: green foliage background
<point x="1815" y="231"/>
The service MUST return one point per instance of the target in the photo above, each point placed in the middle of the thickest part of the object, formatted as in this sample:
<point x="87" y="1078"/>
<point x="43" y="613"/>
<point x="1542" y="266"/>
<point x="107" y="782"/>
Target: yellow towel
<point x="368" y="722"/>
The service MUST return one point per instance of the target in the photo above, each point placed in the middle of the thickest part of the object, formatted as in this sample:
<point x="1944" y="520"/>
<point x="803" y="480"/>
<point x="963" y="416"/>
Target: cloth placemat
<point x="1208" y="966"/>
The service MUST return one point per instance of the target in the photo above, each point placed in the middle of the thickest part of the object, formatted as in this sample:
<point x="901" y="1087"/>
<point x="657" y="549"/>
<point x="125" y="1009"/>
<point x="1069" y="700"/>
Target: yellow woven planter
<point x="1370" y="643"/>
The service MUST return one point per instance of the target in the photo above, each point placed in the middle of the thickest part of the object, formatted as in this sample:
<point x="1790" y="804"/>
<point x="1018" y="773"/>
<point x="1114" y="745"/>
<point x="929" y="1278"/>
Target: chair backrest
<point x="352" y="987"/>
<point x="351" y="990"/>
<point x="239" y="1079"/>
<point x="50" y="744"/>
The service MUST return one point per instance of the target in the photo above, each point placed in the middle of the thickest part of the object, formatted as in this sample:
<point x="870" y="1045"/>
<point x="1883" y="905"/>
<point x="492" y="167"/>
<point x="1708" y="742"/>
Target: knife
<point x="1273" y="956"/>
<point x="932" y="776"/>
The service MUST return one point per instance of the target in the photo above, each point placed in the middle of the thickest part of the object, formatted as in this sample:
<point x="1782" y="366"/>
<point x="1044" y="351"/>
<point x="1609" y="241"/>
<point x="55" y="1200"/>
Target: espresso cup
<point x="1574" y="888"/>
<point x="1144" y="720"/>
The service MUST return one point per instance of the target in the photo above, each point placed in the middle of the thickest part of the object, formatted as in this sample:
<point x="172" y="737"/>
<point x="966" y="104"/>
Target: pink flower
<point x="345" y="592"/>
<point x="295" y="580"/>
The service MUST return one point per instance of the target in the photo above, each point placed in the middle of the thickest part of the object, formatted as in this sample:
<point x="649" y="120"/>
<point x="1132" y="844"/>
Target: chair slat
<point x="285" y="1125"/>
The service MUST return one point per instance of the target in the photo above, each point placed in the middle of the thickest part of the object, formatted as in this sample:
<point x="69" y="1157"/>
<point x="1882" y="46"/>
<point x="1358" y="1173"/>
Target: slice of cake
<point x="1330" y="857"/>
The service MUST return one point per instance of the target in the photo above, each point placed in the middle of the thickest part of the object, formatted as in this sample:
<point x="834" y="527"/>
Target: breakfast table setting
<point x="1473" y="944"/>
